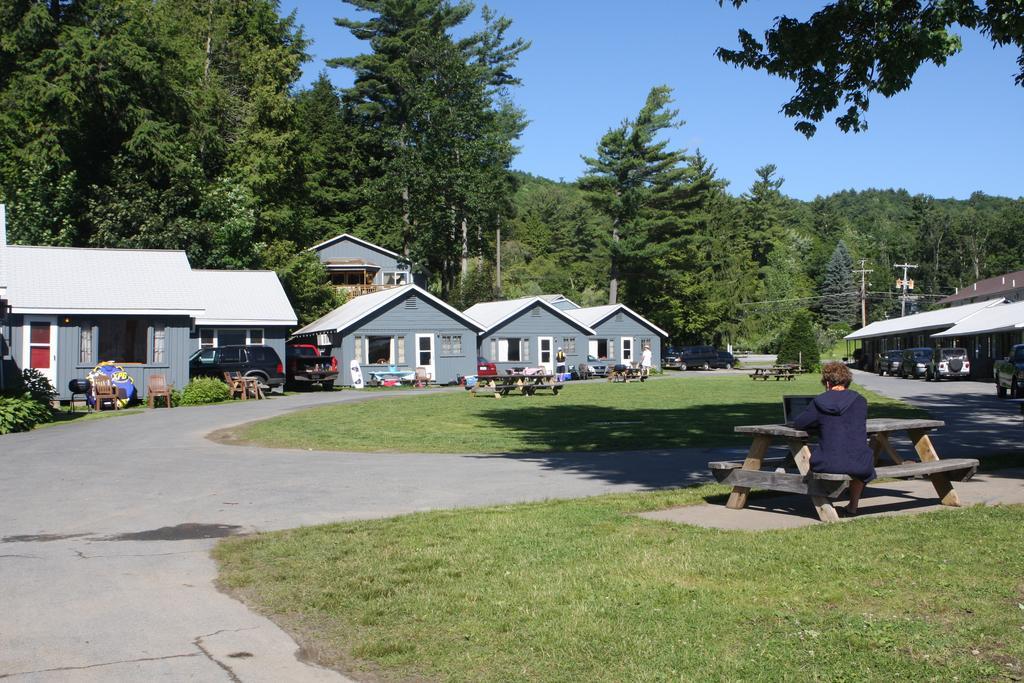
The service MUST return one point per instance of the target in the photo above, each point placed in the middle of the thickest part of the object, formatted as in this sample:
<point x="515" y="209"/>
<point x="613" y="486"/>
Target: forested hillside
<point x="179" y="124"/>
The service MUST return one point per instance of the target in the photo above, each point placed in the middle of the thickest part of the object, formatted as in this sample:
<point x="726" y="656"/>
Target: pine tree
<point x="839" y="303"/>
<point x="800" y="345"/>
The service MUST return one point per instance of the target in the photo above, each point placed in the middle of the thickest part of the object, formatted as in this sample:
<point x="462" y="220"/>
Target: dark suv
<point x="915" y="362"/>
<point x="948" y="364"/>
<point x="261" y="362"/>
<point x="889" y="362"/>
<point x="703" y="357"/>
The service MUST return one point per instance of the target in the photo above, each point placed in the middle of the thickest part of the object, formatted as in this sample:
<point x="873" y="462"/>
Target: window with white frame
<point x="569" y="345"/>
<point x="645" y="343"/>
<point x="627" y="349"/>
<point x="159" y="343"/>
<point x="451" y="344"/>
<point x="396" y="278"/>
<point x="85" y="356"/>
<point x="123" y="340"/>
<point x="606" y="349"/>
<point x="384" y="350"/>
<point x="513" y="350"/>
<point x="210" y="337"/>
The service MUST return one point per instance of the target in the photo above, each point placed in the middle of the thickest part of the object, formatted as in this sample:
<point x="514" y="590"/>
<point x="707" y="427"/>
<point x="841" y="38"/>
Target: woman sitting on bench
<point x="841" y="416"/>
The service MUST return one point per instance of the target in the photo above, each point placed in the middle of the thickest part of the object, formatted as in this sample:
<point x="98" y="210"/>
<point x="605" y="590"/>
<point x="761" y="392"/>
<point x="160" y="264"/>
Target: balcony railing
<point x="356" y="290"/>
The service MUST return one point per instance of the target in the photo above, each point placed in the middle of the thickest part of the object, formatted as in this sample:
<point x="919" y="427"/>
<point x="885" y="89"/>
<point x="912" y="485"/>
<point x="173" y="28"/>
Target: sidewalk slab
<point x="896" y="497"/>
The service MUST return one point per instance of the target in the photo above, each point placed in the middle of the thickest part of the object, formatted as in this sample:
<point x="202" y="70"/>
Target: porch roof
<point x="243" y="297"/>
<point x="1004" y="318"/>
<point x="919" y="322"/>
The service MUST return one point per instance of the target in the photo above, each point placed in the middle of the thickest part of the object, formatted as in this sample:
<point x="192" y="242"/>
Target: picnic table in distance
<point x="627" y="373"/>
<point x="776" y="372"/>
<point x="526" y="383"/>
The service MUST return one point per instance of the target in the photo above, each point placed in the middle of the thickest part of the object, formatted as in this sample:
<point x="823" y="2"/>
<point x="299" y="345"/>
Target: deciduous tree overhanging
<point x="150" y="123"/>
<point x="851" y="49"/>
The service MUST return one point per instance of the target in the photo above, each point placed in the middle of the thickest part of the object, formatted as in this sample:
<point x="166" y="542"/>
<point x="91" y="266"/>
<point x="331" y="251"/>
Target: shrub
<point x="22" y="414"/>
<point x="33" y="383"/>
<point x="800" y="344"/>
<point x="203" y="390"/>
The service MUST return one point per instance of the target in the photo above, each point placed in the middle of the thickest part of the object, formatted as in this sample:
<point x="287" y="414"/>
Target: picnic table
<point x="627" y="373"/>
<point x="526" y="384"/>
<point x="378" y="377"/>
<point x="777" y="372"/>
<point x="757" y="471"/>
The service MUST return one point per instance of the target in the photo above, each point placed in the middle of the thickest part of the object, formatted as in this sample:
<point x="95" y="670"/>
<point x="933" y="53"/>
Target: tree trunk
<point x="497" y="259"/>
<point x="613" y="284"/>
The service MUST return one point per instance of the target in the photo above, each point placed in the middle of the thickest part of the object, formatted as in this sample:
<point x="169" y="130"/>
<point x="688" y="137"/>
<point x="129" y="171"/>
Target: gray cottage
<point x="401" y="328"/>
<point x="242" y="307"/>
<point x="145" y="310"/>
<point x="527" y="333"/>
<point x="72" y="308"/>
<point x="361" y="267"/>
<point x="620" y="334"/>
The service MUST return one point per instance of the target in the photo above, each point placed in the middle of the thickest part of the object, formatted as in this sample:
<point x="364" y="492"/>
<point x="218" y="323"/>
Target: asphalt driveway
<point x="106" y="526"/>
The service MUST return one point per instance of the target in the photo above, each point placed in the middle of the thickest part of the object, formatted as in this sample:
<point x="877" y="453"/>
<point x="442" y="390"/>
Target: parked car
<point x="914" y="363"/>
<point x="594" y="367"/>
<point x="485" y="368"/>
<point x="889" y="362"/>
<point x="672" y="358"/>
<point x="948" y="364"/>
<point x="725" y="360"/>
<point x="693" y="357"/>
<point x="304" y="366"/>
<point x="1009" y="373"/>
<point x="261" y="362"/>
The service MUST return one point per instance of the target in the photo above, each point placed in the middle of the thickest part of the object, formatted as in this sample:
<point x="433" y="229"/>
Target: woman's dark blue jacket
<point x="841" y="417"/>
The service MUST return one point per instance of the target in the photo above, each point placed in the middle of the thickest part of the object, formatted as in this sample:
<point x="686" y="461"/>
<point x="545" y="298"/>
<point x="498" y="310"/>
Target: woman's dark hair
<point x="836" y="374"/>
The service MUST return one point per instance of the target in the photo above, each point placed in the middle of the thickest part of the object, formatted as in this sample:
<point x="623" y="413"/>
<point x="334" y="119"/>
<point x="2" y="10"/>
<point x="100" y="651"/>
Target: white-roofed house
<point x="620" y="334"/>
<point x="361" y="267"/>
<point x="913" y="331"/>
<point x="72" y="308"/>
<point x="242" y="307"/>
<point x="527" y="332"/>
<point x="402" y="327"/>
<point x="145" y="310"/>
<point x="987" y="335"/>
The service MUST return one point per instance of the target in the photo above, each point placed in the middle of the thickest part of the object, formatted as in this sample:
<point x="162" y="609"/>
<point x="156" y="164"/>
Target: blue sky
<point x="959" y="129"/>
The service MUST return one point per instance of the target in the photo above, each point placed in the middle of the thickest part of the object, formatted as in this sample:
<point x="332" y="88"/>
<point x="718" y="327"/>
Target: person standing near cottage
<point x="560" y="361"/>
<point x="645" y="361"/>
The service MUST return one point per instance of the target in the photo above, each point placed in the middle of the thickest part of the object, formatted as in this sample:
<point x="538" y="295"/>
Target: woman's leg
<point x="856" y="488"/>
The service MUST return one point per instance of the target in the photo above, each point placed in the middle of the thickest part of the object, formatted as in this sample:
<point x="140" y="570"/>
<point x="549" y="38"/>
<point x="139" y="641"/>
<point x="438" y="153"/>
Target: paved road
<point x="105" y="532"/>
<point x="106" y="526"/>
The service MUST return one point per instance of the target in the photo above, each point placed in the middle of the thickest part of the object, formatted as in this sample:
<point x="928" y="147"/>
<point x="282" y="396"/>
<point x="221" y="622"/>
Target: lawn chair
<point x="422" y="377"/>
<point x="236" y="384"/>
<point x="156" y="387"/>
<point x="104" y="391"/>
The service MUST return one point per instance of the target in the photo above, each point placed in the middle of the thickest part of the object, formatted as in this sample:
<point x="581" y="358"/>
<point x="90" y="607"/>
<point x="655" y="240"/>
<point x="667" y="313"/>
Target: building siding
<point x="530" y="326"/>
<point x="174" y="369"/>
<point x="622" y="324"/>
<point x="404" y="322"/>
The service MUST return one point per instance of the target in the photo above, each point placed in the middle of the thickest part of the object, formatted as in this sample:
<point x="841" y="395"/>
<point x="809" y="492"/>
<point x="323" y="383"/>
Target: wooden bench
<point x="831" y="485"/>
<point x="627" y="374"/>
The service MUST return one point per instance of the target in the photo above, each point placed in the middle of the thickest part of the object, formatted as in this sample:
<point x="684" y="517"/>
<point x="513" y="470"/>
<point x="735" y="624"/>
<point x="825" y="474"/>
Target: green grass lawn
<point x="693" y="409"/>
<point x="585" y="591"/>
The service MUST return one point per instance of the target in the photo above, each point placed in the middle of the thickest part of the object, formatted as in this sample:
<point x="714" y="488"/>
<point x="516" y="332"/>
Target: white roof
<point x="345" y="235"/>
<point x="594" y="315"/>
<point x="243" y="297"/>
<point x="100" y="281"/>
<point x="491" y="314"/>
<point x="360" y="307"/>
<point x="558" y="298"/>
<point x="929" y="320"/>
<point x="993" y="319"/>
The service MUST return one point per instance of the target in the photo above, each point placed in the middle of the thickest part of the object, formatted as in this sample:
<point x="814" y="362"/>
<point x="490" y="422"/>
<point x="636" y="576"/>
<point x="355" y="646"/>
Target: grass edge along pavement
<point x="688" y="410"/>
<point x="585" y="590"/>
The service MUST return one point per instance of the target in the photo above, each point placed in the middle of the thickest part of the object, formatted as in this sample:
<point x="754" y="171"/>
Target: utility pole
<point x="863" y="292"/>
<point x="906" y="284"/>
